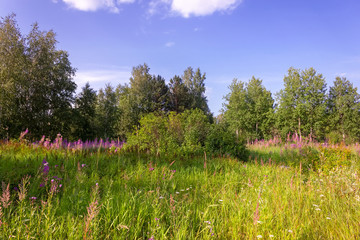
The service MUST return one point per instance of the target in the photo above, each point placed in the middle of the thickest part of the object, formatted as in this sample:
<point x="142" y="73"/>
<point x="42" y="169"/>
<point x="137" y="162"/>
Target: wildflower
<point x="177" y="192"/>
<point x="156" y="219"/>
<point x="260" y="222"/>
<point x="208" y="222"/>
<point x="317" y="209"/>
<point x="187" y="189"/>
<point x="22" y="188"/>
<point x="259" y="236"/>
<point x="328" y="218"/>
<point x="290" y="231"/>
<point x="5" y="197"/>
<point x="60" y="185"/>
<point x="151" y="169"/>
<point x="271" y="235"/>
<point x="83" y="165"/>
<point x="322" y="195"/>
<point x="315" y="205"/>
<point x="33" y="198"/>
<point x="161" y="197"/>
<point x="220" y="200"/>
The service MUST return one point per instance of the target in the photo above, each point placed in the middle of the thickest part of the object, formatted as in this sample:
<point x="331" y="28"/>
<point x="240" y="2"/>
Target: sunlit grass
<point x="130" y="196"/>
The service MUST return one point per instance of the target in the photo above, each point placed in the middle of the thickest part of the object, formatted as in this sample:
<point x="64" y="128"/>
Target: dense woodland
<point x="37" y="92"/>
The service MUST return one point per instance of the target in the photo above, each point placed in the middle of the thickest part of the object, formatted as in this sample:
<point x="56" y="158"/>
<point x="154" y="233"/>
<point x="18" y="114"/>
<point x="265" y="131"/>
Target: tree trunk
<point x="300" y="129"/>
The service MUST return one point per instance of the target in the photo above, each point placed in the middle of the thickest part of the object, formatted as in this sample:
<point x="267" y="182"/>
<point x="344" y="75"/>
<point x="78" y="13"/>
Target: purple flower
<point x="151" y="169"/>
<point x="42" y="185"/>
<point x="33" y="198"/>
<point x="60" y="185"/>
<point x="83" y="165"/>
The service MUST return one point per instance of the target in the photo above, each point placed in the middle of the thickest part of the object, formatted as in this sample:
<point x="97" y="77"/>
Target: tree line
<point x="304" y="107"/>
<point x="37" y="92"/>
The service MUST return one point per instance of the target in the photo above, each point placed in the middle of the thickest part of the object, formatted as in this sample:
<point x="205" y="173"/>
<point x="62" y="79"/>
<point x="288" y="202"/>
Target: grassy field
<point x="102" y="193"/>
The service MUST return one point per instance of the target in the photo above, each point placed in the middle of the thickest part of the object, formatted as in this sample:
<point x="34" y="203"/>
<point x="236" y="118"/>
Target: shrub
<point x="221" y="141"/>
<point x="333" y="157"/>
<point x="172" y="134"/>
<point x="188" y="133"/>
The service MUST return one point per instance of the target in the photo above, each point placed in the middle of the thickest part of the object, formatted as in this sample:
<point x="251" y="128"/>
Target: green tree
<point x="128" y="116"/>
<point x="36" y="79"/>
<point x="302" y="104"/>
<point x="344" y="110"/>
<point x="260" y="110"/>
<point x="150" y="92"/>
<point x="179" y="95"/>
<point x="85" y="104"/>
<point x="195" y="82"/>
<point x="249" y="109"/>
<point x="235" y="108"/>
<point x="106" y="112"/>
<point x="13" y="61"/>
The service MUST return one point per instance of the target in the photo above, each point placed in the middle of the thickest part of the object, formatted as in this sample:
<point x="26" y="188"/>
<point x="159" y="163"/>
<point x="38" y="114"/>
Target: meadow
<point x="95" y="190"/>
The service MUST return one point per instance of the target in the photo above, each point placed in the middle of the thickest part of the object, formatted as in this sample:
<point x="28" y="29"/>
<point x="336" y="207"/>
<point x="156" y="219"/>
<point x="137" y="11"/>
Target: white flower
<point x="290" y="231"/>
<point x="187" y="189"/>
<point x="220" y="200"/>
<point x="260" y="222"/>
<point x="322" y="195"/>
<point x="161" y="197"/>
<point x="328" y="218"/>
<point x="259" y="236"/>
<point x="271" y="236"/>
<point x="177" y="192"/>
<point x="317" y="209"/>
<point x="315" y="205"/>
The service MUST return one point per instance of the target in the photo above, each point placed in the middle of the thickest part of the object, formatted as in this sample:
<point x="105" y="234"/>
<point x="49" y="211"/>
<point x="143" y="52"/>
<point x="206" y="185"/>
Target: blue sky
<point x="227" y="39"/>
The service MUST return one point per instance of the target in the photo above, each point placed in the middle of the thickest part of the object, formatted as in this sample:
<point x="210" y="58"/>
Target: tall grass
<point x="60" y="193"/>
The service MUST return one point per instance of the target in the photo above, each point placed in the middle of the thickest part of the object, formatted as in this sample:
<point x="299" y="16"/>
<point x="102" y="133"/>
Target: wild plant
<point x="5" y="197"/>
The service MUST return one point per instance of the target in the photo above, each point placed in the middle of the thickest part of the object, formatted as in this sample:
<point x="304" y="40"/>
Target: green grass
<point x="140" y="197"/>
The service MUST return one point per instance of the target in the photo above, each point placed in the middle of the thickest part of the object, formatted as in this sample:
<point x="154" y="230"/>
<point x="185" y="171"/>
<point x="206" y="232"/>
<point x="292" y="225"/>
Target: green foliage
<point x="36" y="85"/>
<point x="220" y="141"/>
<point x="84" y="114"/>
<point x="331" y="158"/>
<point x="172" y="134"/>
<point x="302" y="104"/>
<point x="106" y="112"/>
<point x="344" y="110"/>
<point x="249" y="109"/>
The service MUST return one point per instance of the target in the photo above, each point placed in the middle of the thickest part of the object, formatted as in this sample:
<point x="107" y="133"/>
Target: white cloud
<point x="187" y="8"/>
<point x="184" y="8"/>
<point x="169" y="44"/>
<point x="98" y="78"/>
<point x="94" y="5"/>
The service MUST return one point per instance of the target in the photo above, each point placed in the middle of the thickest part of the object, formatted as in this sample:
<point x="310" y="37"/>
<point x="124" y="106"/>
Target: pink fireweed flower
<point x="5" y="197"/>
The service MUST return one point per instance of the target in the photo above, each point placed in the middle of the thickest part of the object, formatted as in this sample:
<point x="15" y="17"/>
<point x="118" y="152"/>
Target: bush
<point x="221" y="141"/>
<point x="174" y="134"/>
<point x="188" y="133"/>
<point x="333" y="157"/>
